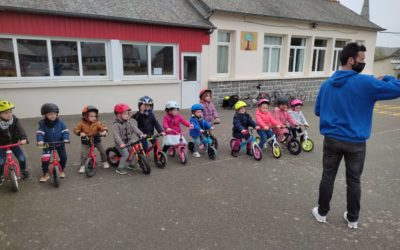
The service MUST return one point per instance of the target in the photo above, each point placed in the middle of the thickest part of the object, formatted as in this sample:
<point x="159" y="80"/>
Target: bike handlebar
<point x="12" y="145"/>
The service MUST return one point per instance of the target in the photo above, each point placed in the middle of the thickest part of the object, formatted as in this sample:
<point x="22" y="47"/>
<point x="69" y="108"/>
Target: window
<point x="135" y="59"/>
<point x="272" y="53"/>
<point x="93" y="59"/>
<point x="296" y="57"/>
<point x="65" y="58"/>
<point x="224" y="44"/>
<point x="33" y="57"/>
<point x="162" y="60"/>
<point x="7" y="60"/>
<point x="319" y="53"/>
<point x="336" y="54"/>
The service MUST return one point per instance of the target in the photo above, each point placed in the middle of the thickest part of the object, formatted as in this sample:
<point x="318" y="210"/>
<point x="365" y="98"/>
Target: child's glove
<point x="23" y="142"/>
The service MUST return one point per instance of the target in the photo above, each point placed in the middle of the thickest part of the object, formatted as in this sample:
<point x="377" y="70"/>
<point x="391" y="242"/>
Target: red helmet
<point x="121" y="107"/>
<point x="203" y="91"/>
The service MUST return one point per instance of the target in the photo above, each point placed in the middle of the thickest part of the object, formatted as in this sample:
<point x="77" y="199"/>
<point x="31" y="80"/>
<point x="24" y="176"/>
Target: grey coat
<point x="123" y="131"/>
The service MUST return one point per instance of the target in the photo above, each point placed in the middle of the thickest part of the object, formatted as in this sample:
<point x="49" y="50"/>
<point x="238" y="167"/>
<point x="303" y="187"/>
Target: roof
<point x="320" y="11"/>
<point x="163" y="12"/>
<point x="384" y="53"/>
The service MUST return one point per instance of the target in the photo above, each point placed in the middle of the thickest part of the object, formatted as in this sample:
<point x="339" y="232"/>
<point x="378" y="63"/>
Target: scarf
<point x="4" y="125"/>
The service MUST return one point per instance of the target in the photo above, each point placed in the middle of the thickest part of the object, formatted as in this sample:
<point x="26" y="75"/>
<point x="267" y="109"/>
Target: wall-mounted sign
<point x="248" y="40"/>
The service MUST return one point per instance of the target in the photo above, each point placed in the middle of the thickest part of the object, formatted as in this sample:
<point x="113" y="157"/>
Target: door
<point x="190" y="79"/>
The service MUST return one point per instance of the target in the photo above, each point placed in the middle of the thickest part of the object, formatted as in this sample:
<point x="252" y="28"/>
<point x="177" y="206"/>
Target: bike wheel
<point x="276" y="151"/>
<point x="307" y="145"/>
<point x="90" y="169"/>
<point x="171" y="151"/>
<point x="113" y="156"/>
<point x="257" y="152"/>
<point x="144" y="164"/>
<point x="294" y="146"/>
<point x="214" y="142"/>
<point x="56" y="176"/>
<point x="14" y="179"/>
<point x="212" y="153"/>
<point x="249" y="103"/>
<point x="191" y="146"/>
<point x="302" y="95"/>
<point x="183" y="156"/>
<point x="161" y="162"/>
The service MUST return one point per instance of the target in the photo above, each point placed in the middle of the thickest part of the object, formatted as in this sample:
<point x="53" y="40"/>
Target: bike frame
<point x="10" y="161"/>
<point x="54" y="157"/>
<point x="180" y="145"/>
<point x="155" y="145"/>
<point x="251" y="139"/>
<point x="92" y="154"/>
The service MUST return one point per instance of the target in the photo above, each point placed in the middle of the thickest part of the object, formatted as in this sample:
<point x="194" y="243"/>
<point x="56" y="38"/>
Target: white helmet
<point x="172" y="105"/>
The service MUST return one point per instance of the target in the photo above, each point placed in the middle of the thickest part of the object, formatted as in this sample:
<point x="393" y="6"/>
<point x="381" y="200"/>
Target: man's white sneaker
<point x="196" y="154"/>
<point x="317" y="216"/>
<point x="105" y="165"/>
<point x="353" y="225"/>
<point x="81" y="170"/>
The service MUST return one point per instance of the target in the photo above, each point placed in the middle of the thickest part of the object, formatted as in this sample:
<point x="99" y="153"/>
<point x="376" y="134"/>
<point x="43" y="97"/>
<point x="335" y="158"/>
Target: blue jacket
<point x="198" y="124"/>
<point x="241" y="122"/>
<point x="55" y="132"/>
<point x="345" y="104"/>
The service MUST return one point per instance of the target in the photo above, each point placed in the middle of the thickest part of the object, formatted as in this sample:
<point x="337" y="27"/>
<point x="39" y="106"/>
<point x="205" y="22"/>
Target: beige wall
<point x="384" y="67"/>
<point x="248" y="64"/>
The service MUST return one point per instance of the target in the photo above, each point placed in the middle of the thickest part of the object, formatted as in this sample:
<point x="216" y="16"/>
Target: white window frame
<point x="149" y="75"/>
<point x="53" y="78"/>
<point x="296" y="48"/>
<point x="229" y="45"/>
<point x="318" y="49"/>
<point x="270" y="47"/>
<point x="336" y="51"/>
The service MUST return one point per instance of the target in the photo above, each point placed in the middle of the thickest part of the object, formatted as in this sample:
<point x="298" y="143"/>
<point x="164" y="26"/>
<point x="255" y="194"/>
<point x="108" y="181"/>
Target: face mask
<point x="148" y="111"/>
<point x="358" y="67"/>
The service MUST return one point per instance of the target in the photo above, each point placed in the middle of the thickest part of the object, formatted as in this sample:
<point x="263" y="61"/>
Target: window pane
<point x="314" y="60"/>
<point x="298" y="41"/>
<point x="334" y="60"/>
<point x="272" y="40"/>
<point x="93" y="59"/>
<point x="321" y="60"/>
<point x="275" y="58"/>
<point x="190" y="68"/>
<point x="291" y="60"/>
<point x="7" y="60"/>
<point x="65" y="58"/>
<point x="162" y="60"/>
<point x="33" y="58"/>
<point x="222" y="60"/>
<point x="266" y="60"/>
<point x="135" y="59"/>
<point x="320" y="43"/>
<point x="299" y="60"/>
<point x="224" y="37"/>
<point x="340" y="44"/>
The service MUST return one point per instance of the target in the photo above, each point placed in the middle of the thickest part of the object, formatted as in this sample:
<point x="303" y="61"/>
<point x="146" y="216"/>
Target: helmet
<point x="296" y="102"/>
<point x="121" y="107"/>
<point x="146" y="100"/>
<point x="89" y="108"/>
<point x="282" y="100"/>
<point x="171" y="105"/>
<point x="48" y="108"/>
<point x="226" y="97"/>
<point x="197" y="106"/>
<point x="202" y="92"/>
<point x="6" y="105"/>
<point x="240" y="104"/>
<point x="261" y="101"/>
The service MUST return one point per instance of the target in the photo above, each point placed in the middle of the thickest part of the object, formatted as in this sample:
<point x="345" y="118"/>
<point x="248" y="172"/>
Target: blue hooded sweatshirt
<point x="345" y="104"/>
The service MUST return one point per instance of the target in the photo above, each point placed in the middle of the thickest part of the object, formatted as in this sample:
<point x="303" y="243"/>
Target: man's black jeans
<point x="354" y="157"/>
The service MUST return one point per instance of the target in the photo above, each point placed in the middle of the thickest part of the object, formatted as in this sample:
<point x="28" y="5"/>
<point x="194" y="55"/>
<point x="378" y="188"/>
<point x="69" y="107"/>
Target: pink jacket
<point x="284" y="118"/>
<point x="173" y="122"/>
<point x="210" y="112"/>
<point x="265" y="119"/>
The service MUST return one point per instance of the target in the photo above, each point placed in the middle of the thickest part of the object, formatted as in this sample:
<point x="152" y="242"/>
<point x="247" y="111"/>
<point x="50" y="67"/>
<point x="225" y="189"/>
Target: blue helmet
<point x="197" y="106"/>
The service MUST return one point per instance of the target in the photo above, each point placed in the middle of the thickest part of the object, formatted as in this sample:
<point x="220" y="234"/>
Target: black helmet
<point x="282" y="100"/>
<point x="48" y="108"/>
<point x="145" y="100"/>
<point x="89" y="108"/>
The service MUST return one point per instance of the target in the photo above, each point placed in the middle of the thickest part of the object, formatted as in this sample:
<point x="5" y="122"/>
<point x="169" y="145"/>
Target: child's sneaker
<point x="26" y="175"/>
<point x="121" y="171"/>
<point x="196" y="154"/>
<point x="62" y="174"/>
<point x="105" y="165"/>
<point x="353" y="225"/>
<point x="317" y="216"/>
<point x="81" y="169"/>
<point x="234" y="154"/>
<point x="44" y="178"/>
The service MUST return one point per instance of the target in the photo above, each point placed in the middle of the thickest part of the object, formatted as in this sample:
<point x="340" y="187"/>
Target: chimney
<point x="365" y="9"/>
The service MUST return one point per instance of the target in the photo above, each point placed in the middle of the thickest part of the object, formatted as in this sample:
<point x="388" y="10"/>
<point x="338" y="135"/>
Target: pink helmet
<point x="261" y="101"/>
<point x="296" y="102"/>
<point x="121" y="108"/>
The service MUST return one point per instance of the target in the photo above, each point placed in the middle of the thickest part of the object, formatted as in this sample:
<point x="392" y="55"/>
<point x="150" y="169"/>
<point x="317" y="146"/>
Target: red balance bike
<point x="55" y="167"/>
<point x="12" y="171"/>
<point x="160" y="158"/>
<point x="91" y="162"/>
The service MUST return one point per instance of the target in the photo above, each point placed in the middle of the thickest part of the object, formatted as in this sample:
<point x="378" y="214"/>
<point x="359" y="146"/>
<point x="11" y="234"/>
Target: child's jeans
<point x="124" y="156"/>
<point x="19" y="154"/>
<point x="46" y="155"/>
<point x="264" y="136"/>
<point x="85" y="151"/>
<point x="197" y="141"/>
<point x="145" y="144"/>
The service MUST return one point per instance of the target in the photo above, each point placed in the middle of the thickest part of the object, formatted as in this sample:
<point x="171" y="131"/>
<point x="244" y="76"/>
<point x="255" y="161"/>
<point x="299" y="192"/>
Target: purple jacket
<point x="210" y="112"/>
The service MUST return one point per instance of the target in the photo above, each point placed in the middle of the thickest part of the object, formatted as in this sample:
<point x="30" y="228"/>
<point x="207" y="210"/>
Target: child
<point x="11" y="132"/>
<point x="52" y="129"/>
<point x="123" y="129"/>
<point x="199" y="125"/>
<point x="210" y="112"/>
<point x="266" y="122"/>
<point x="241" y="123"/>
<point x="281" y="114"/>
<point x="172" y="121"/>
<point x="89" y="126"/>
<point x="146" y="120"/>
<point x="297" y="115"/>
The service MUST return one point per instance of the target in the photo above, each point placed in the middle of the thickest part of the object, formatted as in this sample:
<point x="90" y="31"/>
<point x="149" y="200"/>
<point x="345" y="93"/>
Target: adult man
<point x="345" y="105"/>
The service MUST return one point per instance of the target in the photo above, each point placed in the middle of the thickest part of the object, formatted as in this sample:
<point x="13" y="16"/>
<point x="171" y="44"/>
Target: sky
<point x="384" y="13"/>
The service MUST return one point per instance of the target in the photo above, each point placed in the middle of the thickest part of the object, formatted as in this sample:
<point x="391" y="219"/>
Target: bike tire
<point x="294" y="146"/>
<point x="307" y="145"/>
<point x="162" y="160"/>
<point x="276" y="151"/>
<point x="212" y="153"/>
<point x="183" y="156"/>
<point x="113" y="156"/>
<point x="56" y="176"/>
<point x="302" y="95"/>
<point x="90" y="169"/>
<point x="249" y="103"/>
<point x="144" y="164"/>
<point x="191" y="146"/>
<point x="257" y="152"/>
<point x="14" y="179"/>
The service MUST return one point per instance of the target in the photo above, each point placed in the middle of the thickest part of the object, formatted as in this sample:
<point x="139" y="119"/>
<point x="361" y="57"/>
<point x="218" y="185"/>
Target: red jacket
<point x="173" y="122"/>
<point x="266" y="120"/>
